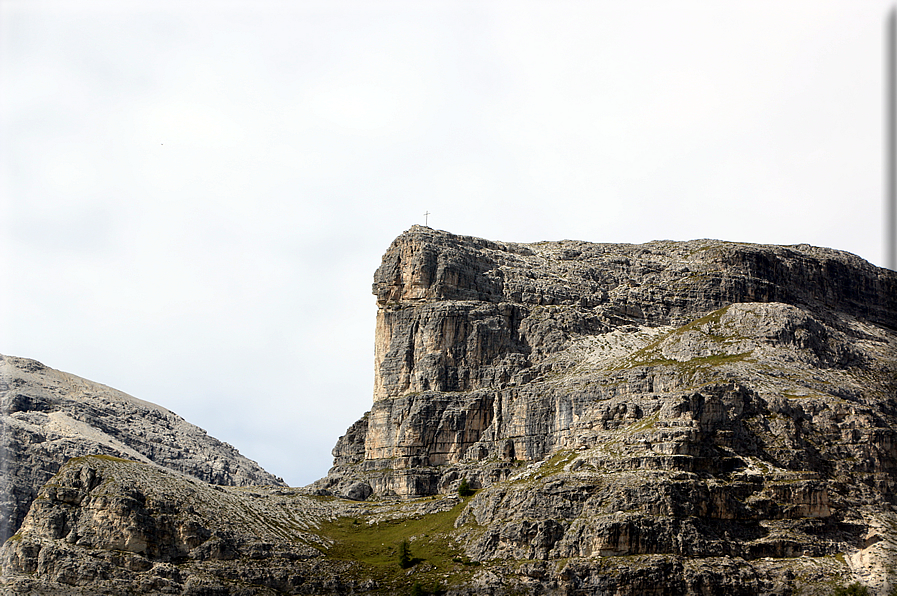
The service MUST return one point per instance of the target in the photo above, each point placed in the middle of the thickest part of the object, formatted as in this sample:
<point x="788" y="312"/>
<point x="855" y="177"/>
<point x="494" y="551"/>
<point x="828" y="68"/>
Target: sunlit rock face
<point x="110" y="526"/>
<point x="688" y="398"/>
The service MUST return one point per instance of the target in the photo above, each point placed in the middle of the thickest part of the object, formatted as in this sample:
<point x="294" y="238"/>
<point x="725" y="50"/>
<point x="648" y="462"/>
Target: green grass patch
<point x="648" y="355"/>
<point x="651" y="359"/>
<point x="555" y="464"/>
<point x="101" y="456"/>
<point x="645" y="423"/>
<point x="713" y="317"/>
<point x="764" y="467"/>
<point x="793" y="395"/>
<point x="377" y="551"/>
<point x="716" y="359"/>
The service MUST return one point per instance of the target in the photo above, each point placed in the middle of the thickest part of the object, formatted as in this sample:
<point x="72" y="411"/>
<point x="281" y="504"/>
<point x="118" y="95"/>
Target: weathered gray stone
<point x="48" y="416"/>
<point x="500" y="350"/>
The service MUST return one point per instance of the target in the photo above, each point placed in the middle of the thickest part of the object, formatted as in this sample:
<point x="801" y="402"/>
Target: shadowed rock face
<point x="47" y="416"/>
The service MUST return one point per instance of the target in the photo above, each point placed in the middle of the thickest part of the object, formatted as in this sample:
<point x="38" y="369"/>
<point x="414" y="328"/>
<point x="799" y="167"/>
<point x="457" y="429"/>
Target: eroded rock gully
<point x="669" y="418"/>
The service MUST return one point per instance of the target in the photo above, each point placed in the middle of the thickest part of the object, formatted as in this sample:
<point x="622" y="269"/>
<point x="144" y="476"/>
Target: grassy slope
<point x="374" y="548"/>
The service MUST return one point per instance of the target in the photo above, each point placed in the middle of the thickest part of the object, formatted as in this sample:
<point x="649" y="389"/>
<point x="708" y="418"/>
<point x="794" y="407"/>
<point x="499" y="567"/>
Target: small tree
<point x="405" y="560"/>
<point x="464" y="489"/>
<point x="854" y="589"/>
<point x="417" y="590"/>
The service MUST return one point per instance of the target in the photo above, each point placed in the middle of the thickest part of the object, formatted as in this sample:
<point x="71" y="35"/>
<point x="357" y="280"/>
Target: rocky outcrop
<point x="107" y="526"/>
<point x="47" y="417"/>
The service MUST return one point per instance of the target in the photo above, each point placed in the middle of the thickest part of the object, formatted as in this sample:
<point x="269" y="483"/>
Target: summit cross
<point x="426" y="218"/>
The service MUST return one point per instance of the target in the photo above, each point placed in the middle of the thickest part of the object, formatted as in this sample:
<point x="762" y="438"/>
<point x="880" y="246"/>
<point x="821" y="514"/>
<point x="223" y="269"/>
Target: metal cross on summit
<point x="426" y="216"/>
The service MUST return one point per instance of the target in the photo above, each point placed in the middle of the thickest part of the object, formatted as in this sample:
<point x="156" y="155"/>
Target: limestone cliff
<point x="48" y="416"/>
<point x="490" y="351"/>
<point x="683" y="398"/>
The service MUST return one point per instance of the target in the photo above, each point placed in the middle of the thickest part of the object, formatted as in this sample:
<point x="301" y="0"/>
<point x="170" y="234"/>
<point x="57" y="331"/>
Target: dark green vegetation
<point x="405" y="560"/>
<point x="418" y="590"/>
<point x="464" y="489"/>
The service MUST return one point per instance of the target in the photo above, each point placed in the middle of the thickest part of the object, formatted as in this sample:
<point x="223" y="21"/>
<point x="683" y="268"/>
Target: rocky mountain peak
<point x="669" y="418"/>
<point x="48" y="416"/>
<point x="568" y="380"/>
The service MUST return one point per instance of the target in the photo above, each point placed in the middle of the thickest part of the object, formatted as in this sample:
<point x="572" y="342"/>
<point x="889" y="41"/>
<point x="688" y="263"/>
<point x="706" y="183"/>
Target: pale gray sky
<point x="195" y="194"/>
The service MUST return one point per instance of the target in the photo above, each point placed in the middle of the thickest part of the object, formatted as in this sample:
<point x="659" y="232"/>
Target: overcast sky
<point x="194" y="195"/>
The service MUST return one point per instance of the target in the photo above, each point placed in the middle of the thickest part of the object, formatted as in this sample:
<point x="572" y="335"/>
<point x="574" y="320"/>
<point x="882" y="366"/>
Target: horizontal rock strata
<point x="105" y="526"/>
<point x="489" y="350"/>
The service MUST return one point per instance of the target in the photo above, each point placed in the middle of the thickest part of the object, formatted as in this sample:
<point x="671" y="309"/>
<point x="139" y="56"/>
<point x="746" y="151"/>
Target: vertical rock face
<point x="460" y="314"/>
<point x="441" y="321"/>
<point x="48" y="416"/>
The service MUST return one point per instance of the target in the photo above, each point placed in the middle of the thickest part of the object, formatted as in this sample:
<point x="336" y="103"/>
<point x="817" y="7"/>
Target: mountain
<point x="499" y="352"/>
<point x="48" y="416"/>
<point x="666" y="418"/>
